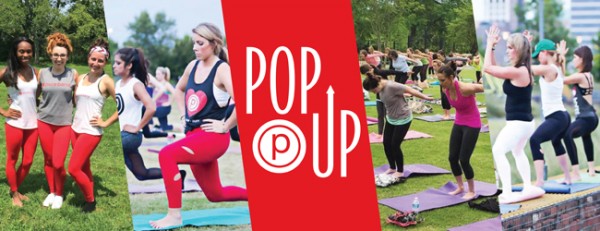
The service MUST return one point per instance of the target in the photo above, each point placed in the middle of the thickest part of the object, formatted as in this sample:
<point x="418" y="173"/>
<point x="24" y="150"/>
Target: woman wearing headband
<point x="92" y="90"/>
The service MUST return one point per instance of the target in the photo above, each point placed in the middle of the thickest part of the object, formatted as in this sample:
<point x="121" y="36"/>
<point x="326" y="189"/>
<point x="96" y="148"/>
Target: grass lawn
<point x="113" y="211"/>
<point x="434" y="151"/>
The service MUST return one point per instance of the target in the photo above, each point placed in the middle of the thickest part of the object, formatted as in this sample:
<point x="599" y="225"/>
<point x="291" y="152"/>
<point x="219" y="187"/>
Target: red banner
<point x="301" y="115"/>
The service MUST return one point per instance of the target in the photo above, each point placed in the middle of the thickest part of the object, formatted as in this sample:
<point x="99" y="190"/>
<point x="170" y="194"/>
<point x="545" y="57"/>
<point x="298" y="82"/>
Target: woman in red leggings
<point x="92" y="90"/>
<point x="21" y="117"/>
<point x="55" y="114"/>
<point x="206" y="82"/>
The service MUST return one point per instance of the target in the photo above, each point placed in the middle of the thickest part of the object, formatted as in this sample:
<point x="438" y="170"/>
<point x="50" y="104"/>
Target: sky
<point x="186" y="13"/>
<point x="478" y="4"/>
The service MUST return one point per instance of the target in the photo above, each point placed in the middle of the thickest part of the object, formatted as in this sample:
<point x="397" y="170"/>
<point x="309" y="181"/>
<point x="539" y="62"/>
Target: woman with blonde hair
<point x="163" y="98"/>
<point x="207" y="130"/>
<point x="518" y="85"/>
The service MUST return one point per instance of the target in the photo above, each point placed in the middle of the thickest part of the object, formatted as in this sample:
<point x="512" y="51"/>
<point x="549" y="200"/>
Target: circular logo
<point x="120" y="103"/>
<point x="193" y="102"/>
<point x="279" y="146"/>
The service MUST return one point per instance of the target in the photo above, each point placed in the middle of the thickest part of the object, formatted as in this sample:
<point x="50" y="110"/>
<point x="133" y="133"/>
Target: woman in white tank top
<point x="21" y="116"/>
<point x="92" y="90"/>
<point x="557" y="119"/>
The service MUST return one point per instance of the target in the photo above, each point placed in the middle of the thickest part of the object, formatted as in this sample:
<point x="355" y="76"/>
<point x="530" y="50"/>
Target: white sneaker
<point x="57" y="202"/>
<point x="48" y="201"/>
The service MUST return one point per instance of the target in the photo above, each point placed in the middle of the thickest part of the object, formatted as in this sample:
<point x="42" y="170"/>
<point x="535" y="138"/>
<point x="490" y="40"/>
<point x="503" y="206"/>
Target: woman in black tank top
<point x="586" y="119"/>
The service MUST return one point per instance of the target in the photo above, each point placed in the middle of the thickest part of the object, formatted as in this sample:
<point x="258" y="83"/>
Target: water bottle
<point x="415" y="205"/>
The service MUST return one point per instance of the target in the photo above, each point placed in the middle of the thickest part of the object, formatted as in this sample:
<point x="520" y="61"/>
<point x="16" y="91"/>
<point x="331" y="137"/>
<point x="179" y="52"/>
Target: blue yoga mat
<point x="370" y="103"/>
<point x="221" y="216"/>
<point x="507" y="208"/>
<point x="554" y="187"/>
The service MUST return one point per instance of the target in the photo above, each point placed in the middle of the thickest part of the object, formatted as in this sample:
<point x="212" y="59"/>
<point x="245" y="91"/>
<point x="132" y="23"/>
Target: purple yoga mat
<point x="437" y="198"/>
<point x="485" y="128"/>
<point x="409" y="136"/>
<point x="417" y="169"/>
<point x="492" y="224"/>
<point x="190" y="186"/>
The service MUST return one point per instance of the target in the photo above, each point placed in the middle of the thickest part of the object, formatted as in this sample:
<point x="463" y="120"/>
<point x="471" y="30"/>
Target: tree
<point x="596" y="66"/>
<point x="154" y="37"/>
<point x="180" y="56"/>
<point x="83" y="29"/>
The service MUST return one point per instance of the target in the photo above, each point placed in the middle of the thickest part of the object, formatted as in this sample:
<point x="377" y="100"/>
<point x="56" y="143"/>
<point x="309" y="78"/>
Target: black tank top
<point x="518" y="101"/>
<point x="200" y="102"/>
<point x="585" y="109"/>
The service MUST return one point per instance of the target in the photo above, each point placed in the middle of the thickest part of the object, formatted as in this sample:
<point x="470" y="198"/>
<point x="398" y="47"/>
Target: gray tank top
<point x="56" y="107"/>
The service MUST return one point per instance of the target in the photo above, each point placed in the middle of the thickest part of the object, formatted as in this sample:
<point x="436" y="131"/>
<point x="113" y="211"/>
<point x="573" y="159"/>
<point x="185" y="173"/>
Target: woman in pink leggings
<point x="206" y="83"/>
<point x="21" y="117"/>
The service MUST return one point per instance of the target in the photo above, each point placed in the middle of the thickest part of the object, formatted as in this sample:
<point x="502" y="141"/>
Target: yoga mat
<point x="417" y="169"/>
<point x="507" y="208"/>
<point x="492" y="224"/>
<point x="411" y="135"/>
<point x="482" y="110"/>
<point x="554" y="187"/>
<point x="434" y="118"/>
<point x="371" y="121"/>
<point x="197" y="218"/>
<point x="586" y="178"/>
<point x="370" y="103"/>
<point x="437" y="198"/>
<point x="190" y="186"/>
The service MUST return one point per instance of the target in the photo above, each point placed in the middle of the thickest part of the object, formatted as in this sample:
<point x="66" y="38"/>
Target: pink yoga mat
<point x="409" y="136"/>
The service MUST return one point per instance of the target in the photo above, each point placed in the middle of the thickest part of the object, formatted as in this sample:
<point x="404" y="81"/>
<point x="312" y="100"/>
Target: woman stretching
<point x="398" y="119"/>
<point x="21" y="79"/>
<point x="518" y="84"/>
<point x="55" y="115"/>
<point x="586" y="119"/>
<point x="467" y="125"/>
<point x="556" y="118"/>
<point x="163" y="98"/>
<point x="207" y="132"/>
<point x="92" y="90"/>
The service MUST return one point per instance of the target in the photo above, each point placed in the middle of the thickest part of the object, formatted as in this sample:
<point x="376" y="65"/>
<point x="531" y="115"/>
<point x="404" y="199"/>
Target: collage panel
<point x="59" y="130"/>
<point x="540" y="67"/>
<point x="175" y="87"/>
<point x="427" y="113"/>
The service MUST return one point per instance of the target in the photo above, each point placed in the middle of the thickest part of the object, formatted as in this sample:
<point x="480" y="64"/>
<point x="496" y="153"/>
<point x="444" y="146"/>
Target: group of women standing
<point x="61" y="89"/>
<point x="557" y="126"/>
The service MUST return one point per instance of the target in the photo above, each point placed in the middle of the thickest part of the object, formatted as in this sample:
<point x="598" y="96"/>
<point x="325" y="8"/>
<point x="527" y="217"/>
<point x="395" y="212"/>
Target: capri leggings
<point x="416" y="70"/>
<point x="445" y="103"/>
<point x="79" y="165"/>
<point x="393" y="135"/>
<point x="55" y="145"/>
<point x="581" y="127"/>
<point x="200" y="150"/>
<point x="133" y="159"/>
<point x="513" y="137"/>
<point x="17" y="139"/>
<point x="553" y="128"/>
<point x="462" y="144"/>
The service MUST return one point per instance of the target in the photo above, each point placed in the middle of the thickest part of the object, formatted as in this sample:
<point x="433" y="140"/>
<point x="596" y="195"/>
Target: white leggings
<point x="513" y="137"/>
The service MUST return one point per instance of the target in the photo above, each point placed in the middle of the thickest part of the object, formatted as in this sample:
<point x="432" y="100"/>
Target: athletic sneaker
<point x="89" y="207"/>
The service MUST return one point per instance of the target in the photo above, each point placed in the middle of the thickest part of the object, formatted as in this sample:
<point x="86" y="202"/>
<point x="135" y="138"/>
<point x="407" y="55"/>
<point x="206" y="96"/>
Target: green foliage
<point x="596" y="66"/>
<point x="81" y="21"/>
<point x="156" y="37"/>
<point x="400" y="24"/>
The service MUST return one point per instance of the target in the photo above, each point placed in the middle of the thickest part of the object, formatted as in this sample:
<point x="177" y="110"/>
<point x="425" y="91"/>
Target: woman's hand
<point x="561" y="48"/>
<point x="97" y="121"/>
<point x="528" y="35"/>
<point x="12" y="113"/>
<point x="130" y="128"/>
<point x="493" y="35"/>
<point x="212" y="125"/>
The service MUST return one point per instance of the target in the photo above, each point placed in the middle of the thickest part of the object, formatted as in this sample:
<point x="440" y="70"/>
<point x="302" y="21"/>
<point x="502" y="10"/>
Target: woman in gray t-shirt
<point x="55" y="114"/>
<point x="398" y="118"/>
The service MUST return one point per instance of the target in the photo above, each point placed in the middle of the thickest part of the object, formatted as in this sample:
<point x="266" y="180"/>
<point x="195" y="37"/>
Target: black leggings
<point x="416" y="70"/>
<point x="478" y="75"/>
<point x="581" y="127"/>
<point x="553" y="128"/>
<point x="430" y="70"/>
<point x="445" y="103"/>
<point x="380" y="115"/>
<point x="399" y="76"/>
<point x="423" y="73"/>
<point x="393" y="135"/>
<point x="462" y="144"/>
<point x="149" y="133"/>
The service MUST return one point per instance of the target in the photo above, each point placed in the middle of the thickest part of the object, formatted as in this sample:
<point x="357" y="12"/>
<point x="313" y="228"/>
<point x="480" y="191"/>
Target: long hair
<point x="166" y="71"/>
<point x="58" y="40"/>
<point x="214" y="36"/>
<point x="522" y="45"/>
<point x="585" y="53"/>
<point x="135" y="57"/>
<point x="371" y="82"/>
<point x="11" y="74"/>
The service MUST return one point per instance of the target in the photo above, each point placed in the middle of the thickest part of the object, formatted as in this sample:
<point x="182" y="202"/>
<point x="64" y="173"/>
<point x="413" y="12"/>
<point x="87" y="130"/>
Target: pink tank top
<point x="467" y="113"/>
<point x="163" y="99"/>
